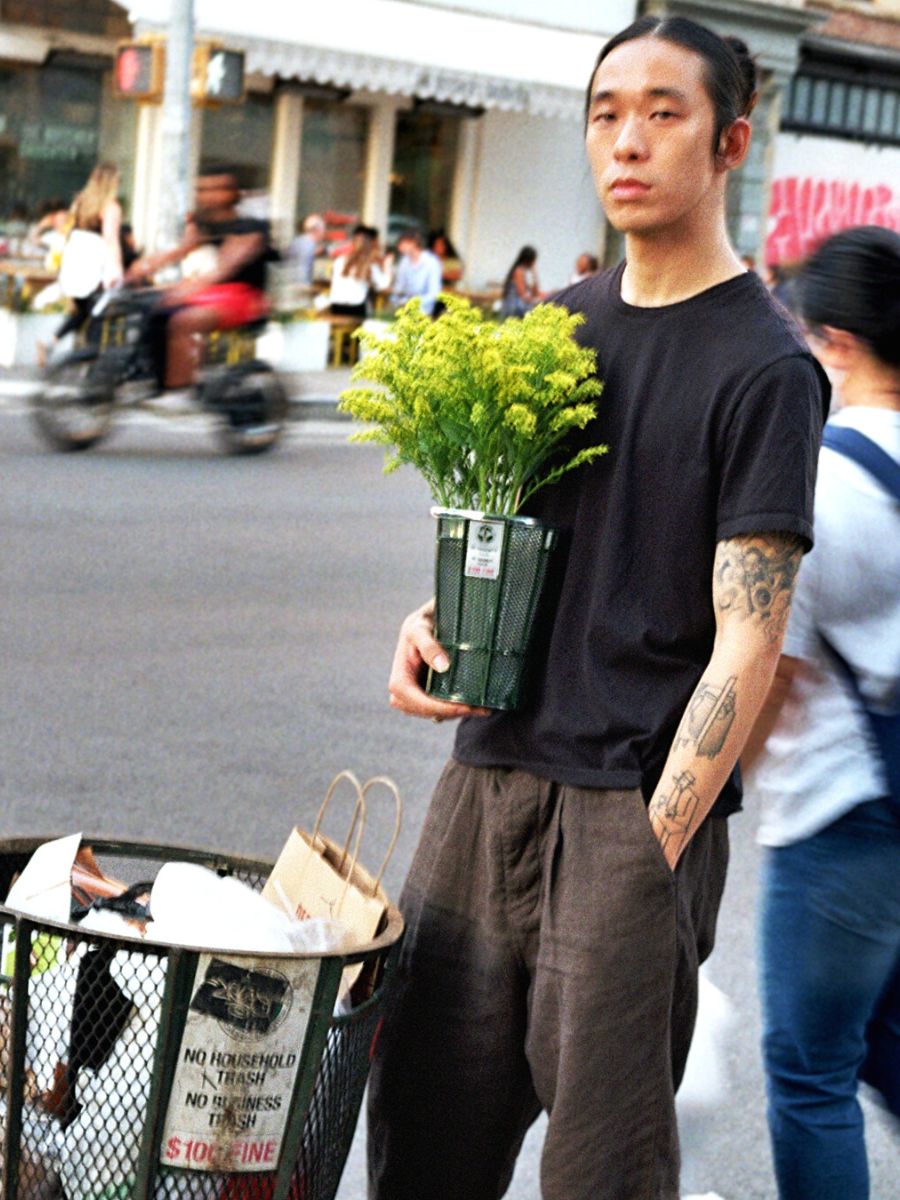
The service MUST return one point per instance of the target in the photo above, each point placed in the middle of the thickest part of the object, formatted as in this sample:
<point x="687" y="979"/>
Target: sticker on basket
<point x="484" y="549"/>
<point x="238" y="1063"/>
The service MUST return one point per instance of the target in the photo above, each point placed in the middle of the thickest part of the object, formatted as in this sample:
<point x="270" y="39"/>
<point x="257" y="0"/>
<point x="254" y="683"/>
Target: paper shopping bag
<point x="316" y="877"/>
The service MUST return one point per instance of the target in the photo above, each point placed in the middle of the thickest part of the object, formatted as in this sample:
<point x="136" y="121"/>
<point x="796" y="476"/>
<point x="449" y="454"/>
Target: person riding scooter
<point x="229" y="289"/>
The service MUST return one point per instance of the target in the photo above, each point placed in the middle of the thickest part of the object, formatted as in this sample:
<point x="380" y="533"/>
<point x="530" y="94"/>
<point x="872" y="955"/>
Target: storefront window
<point x="424" y="164"/>
<point x="332" y="162"/>
<point x="56" y="123"/>
<point x="240" y="135"/>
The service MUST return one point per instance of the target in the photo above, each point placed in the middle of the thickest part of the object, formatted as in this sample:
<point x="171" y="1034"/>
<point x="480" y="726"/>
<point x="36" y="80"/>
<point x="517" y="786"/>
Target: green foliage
<point x="479" y="409"/>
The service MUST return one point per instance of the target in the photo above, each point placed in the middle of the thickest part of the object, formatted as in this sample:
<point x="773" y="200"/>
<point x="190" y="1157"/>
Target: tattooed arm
<point x="753" y="580"/>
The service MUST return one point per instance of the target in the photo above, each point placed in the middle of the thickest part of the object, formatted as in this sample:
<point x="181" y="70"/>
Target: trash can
<point x="135" y="1070"/>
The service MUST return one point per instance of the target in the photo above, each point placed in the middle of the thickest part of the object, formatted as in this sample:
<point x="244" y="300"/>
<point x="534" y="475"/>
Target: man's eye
<point x="604" y="117"/>
<point x="663" y="114"/>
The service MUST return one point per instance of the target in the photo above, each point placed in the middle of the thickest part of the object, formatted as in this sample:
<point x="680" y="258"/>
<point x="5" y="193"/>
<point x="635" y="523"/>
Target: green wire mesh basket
<point x="135" y="1070"/>
<point x="490" y="573"/>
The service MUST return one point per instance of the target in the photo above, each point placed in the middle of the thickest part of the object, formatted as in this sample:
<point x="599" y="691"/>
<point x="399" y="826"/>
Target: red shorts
<point x="235" y="303"/>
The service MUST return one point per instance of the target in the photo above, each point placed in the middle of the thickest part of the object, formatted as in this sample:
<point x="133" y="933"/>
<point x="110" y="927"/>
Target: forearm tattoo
<point x="754" y="577"/>
<point x="676" y="811"/>
<point x="708" y="718"/>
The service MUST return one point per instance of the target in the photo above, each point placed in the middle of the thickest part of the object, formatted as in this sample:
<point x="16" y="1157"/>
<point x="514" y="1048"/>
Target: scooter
<point x="116" y="366"/>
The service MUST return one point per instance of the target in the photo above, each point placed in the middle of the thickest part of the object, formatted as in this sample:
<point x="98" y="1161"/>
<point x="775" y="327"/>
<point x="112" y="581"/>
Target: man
<point x="229" y="290"/>
<point x="571" y="866"/>
<point x="418" y="272"/>
<point x="305" y="248"/>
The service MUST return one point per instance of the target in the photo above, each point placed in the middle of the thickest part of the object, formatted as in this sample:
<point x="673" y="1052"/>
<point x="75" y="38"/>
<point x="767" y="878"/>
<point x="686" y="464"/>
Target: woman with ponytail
<point x="828" y="780"/>
<point x="570" y="870"/>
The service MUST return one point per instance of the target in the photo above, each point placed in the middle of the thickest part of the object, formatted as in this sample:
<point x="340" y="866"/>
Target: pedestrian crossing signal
<point x="139" y="71"/>
<point x="217" y="75"/>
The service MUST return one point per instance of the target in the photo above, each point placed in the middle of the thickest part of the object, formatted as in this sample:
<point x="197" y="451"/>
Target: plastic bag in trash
<point x="38" y="1177"/>
<point x="193" y="906"/>
<point x="112" y="1094"/>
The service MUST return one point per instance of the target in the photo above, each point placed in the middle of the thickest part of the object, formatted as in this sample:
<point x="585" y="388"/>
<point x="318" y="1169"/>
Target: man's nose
<point x="630" y="143"/>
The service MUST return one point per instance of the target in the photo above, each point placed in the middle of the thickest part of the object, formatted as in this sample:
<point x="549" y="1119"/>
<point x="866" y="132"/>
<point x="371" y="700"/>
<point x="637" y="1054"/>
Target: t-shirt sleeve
<point x="770" y="453"/>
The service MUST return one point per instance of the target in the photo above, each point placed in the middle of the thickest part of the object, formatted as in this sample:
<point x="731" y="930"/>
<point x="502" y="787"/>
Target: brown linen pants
<point x="550" y="962"/>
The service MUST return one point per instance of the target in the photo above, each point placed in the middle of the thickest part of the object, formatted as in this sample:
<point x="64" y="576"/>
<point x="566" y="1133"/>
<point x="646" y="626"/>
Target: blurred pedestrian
<point x="418" y="272"/>
<point x="521" y="290"/>
<point x="451" y="264"/>
<point x="306" y="247"/>
<point x="829" y="787"/>
<point x="91" y="257"/>
<point x="585" y="264"/>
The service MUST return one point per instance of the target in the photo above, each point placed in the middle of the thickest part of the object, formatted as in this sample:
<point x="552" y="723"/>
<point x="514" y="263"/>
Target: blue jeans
<point x="830" y="979"/>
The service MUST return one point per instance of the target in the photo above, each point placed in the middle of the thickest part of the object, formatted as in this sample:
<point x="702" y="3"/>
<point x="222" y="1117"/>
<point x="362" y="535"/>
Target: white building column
<point x="380" y="162"/>
<point x="147" y="175"/>
<point x="461" y="222"/>
<point x="284" y="178"/>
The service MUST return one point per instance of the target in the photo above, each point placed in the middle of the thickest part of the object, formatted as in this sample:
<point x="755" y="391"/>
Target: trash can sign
<point x="238" y="1063"/>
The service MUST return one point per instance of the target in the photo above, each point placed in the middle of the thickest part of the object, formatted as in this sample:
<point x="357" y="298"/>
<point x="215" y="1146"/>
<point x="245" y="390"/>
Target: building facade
<point x="466" y="117"/>
<point x="836" y="159"/>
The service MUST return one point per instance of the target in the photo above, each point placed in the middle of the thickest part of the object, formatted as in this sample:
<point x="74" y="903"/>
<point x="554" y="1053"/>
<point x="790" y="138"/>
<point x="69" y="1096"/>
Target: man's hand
<point x="140" y="271"/>
<point x="416" y="650"/>
<point x="180" y="293"/>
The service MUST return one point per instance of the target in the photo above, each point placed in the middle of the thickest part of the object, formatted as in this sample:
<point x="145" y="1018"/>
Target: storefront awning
<point x="400" y="48"/>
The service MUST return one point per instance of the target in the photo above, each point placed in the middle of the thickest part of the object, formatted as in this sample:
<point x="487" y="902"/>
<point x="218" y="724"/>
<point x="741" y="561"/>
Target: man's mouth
<point x="629" y="188"/>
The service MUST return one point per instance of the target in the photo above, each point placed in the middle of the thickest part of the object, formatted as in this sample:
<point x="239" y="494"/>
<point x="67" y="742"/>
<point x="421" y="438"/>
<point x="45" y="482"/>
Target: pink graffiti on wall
<point x="804" y="211"/>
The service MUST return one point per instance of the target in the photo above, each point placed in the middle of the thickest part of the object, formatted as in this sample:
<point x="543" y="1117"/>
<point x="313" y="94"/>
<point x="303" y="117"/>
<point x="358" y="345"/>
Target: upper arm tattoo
<point x="753" y="579"/>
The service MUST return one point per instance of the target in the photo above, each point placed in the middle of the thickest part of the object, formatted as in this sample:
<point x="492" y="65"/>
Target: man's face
<point x="649" y="136"/>
<point x="215" y="192"/>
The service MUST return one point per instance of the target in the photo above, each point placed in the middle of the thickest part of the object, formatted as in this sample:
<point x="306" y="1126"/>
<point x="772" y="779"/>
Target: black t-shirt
<point x="712" y="411"/>
<point x="252" y="272"/>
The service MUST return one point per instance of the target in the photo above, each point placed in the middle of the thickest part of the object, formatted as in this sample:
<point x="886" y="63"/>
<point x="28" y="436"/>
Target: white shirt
<point x="820" y="761"/>
<point x="422" y="278"/>
<point x="350" y="289"/>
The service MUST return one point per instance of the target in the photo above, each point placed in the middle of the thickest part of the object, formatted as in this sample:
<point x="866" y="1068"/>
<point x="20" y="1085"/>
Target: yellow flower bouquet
<point x="483" y="411"/>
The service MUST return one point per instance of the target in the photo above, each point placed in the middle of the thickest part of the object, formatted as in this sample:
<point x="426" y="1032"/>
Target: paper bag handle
<point x="359" y="814"/>
<point x="392" y="787"/>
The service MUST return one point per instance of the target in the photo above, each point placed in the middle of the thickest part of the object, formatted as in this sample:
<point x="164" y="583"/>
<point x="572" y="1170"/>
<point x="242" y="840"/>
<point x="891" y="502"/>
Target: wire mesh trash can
<point x="490" y="573"/>
<point x="135" y="1070"/>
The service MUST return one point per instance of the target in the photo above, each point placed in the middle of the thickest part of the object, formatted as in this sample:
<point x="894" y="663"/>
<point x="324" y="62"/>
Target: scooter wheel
<point x="252" y="407"/>
<point x="73" y="409"/>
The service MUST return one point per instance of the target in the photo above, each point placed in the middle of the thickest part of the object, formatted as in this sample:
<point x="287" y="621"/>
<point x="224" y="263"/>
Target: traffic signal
<point x="139" y="70"/>
<point x="217" y="75"/>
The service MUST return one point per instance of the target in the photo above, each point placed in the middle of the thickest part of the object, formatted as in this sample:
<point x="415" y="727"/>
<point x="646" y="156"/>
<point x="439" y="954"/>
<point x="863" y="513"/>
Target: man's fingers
<point x="417" y="649"/>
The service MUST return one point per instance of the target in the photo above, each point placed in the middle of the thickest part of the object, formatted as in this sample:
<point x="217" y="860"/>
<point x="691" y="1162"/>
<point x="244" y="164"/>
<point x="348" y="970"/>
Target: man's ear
<point x="734" y="142"/>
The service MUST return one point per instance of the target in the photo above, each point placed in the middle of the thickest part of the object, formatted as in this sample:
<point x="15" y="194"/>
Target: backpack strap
<point x="863" y="451"/>
<point x="884" y="727"/>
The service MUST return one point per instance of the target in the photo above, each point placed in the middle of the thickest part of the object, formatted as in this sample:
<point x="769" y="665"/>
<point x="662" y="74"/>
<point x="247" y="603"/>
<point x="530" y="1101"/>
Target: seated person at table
<point x="418" y="272"/>
<point x="356" y="275"/>
<point x="229" y="292"/>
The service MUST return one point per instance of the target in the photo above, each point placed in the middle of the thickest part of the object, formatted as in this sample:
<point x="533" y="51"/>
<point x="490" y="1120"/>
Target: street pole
<point x="176" y="124"/>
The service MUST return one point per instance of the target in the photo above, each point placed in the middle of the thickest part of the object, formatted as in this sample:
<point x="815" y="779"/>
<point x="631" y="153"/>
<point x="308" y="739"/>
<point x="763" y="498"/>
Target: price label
<point x="484" y="549"/>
